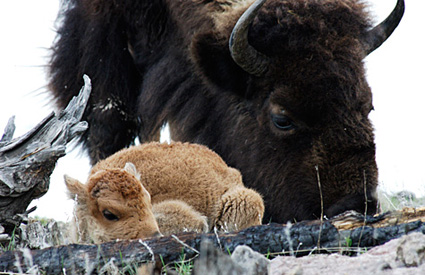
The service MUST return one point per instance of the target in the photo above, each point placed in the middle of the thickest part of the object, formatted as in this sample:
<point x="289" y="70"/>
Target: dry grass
<point x="397" y="201"/>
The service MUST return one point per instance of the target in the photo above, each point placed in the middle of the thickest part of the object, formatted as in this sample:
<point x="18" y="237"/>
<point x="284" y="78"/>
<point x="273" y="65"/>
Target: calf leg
<point x="240" y="208"/>
<point x="174" y="216"/>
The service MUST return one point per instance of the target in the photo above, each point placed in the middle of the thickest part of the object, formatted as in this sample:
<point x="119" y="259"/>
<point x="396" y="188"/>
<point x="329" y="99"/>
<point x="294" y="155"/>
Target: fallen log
<point x="274" y="239"/>
<point x="27" y="162"/>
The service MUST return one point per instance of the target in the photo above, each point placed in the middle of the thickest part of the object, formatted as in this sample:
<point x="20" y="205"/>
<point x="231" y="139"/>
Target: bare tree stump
<point x="27" y="162"/>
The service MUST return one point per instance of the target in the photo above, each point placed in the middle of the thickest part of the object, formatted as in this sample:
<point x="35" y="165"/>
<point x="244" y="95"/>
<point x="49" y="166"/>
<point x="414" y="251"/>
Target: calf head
<point x="112" y="205"/>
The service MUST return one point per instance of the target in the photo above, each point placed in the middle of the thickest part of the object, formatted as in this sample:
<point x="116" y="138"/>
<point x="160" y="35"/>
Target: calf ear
<point x="148" y="195"/>
<point x="131" y="168"/>
<point x="76" y="190"/>
<point x="213" y="60"/>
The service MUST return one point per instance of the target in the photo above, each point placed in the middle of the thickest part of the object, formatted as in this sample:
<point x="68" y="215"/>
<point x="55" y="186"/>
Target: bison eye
<point x="282" y="122"/>
<point x="109" y="216"/>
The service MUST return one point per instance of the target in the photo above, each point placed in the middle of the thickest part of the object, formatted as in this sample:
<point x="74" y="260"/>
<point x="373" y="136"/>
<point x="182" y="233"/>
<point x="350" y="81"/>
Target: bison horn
<point x="375" y="37"/>
<point x="245" y="55"/>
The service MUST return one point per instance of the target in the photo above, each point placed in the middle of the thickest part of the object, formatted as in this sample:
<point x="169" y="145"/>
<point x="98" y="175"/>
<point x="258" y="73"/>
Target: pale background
<point x="395" y="72"/>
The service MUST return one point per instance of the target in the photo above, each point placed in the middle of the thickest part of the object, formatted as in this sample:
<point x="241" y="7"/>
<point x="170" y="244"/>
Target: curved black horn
<point x="248" y="58"/>
<point x="375" y="37"/>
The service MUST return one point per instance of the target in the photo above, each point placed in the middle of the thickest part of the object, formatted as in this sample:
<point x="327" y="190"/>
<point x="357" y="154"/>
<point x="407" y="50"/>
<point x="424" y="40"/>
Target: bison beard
<point x="298" y="130"/>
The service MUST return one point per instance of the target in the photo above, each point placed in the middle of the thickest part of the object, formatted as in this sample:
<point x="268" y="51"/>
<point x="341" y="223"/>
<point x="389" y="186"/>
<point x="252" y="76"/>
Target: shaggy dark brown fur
<point x="299" y="133"/>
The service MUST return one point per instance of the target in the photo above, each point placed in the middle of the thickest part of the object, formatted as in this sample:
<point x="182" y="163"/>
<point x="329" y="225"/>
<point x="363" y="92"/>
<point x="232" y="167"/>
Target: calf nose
<point x="152" y="234"/>
<point x="157" y="235"/>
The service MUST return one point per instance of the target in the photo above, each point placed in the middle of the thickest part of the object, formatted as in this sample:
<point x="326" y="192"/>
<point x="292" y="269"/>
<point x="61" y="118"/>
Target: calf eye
<point x="109" y="216"/>
<point x="282" y="122"/>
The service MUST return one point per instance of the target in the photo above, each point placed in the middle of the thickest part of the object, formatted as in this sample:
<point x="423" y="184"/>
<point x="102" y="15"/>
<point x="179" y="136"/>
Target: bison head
<point x="295" y="71"/>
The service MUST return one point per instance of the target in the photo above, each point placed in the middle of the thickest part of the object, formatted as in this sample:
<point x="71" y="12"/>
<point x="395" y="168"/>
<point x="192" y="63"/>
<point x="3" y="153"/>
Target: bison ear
<point x="213" y="60"/>
<point x="131" y="169"/>
<point x="76" y="190"/>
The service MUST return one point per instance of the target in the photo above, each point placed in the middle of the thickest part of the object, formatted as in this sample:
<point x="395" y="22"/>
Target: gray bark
<point x="27" y="162"/>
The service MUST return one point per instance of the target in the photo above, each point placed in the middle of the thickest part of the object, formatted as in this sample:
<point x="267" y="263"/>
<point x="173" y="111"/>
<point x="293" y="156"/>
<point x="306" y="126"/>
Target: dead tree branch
<point x="27" y="162"/>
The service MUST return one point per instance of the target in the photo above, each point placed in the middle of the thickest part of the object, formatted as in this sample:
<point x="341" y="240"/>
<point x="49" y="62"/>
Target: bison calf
<point x="152" y="188"/>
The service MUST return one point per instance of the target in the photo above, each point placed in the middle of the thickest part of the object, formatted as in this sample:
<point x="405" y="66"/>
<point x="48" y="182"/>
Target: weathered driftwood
<point x="298" y="239"/>
<point x="27" y="162"/>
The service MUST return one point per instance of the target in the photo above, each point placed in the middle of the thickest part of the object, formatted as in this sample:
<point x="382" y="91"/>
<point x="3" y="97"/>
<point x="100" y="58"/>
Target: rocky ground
<point x="400" y="256"/>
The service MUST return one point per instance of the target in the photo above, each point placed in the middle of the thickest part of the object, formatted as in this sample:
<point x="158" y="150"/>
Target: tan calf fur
<point x="174" y="187"/>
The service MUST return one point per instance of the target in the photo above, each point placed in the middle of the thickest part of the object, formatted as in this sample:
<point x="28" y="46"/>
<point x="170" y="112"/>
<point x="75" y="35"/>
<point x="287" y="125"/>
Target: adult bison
<point x="287" y="103"/>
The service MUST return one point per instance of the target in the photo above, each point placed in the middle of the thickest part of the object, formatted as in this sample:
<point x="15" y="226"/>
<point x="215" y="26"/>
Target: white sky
<point x="395" y="72"/>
